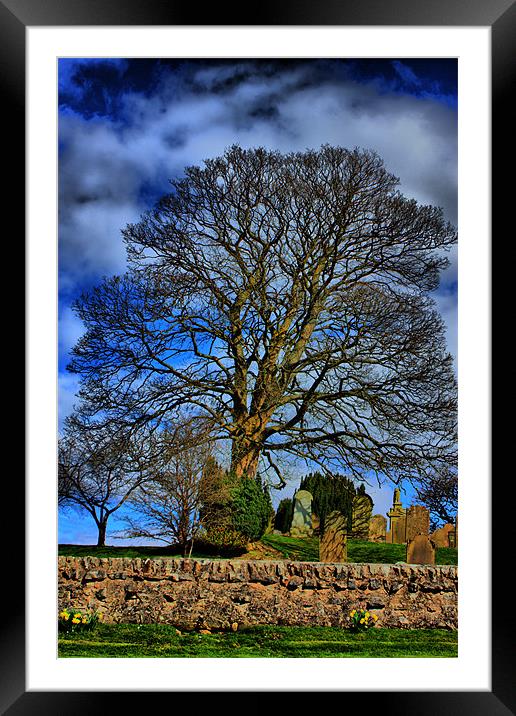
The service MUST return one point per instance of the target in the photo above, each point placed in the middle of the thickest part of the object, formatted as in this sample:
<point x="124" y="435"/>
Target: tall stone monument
<point x="418" y="521"/>
<point x="302" y="518"/>
<point x="397" y="517"/>
<point x="333" y="546"/>
<point x="362" y="510"/>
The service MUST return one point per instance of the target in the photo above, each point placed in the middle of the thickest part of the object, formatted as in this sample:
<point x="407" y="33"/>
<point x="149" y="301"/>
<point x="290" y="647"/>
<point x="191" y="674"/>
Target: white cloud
<point x="68" y="386"/>
<point x="105" y="166"/>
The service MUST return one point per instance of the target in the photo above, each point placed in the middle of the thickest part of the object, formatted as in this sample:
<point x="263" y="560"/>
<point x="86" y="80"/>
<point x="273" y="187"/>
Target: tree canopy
<point x="283" y="299"/>
<point x="331" y="492"/>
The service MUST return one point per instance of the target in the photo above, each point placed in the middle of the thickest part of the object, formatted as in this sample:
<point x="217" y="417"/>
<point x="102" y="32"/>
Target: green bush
<point x="250" y="508"/>
<point x="243" y="506"/>
<point x="284" y="514"/>
<point x="223" y="540"/>
<point x="330" y="492"/>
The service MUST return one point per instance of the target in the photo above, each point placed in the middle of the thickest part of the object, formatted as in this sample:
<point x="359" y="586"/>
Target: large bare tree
<point x="286" y="299"/>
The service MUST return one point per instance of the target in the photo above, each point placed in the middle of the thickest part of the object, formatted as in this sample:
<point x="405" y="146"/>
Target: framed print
<point x="37" y="43"/>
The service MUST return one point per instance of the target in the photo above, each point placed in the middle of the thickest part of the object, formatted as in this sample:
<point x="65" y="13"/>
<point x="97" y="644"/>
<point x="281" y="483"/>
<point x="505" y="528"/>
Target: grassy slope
<point x="288" y="547"/>
<point x="160" y="640"/>
<point x="358" y="551"/>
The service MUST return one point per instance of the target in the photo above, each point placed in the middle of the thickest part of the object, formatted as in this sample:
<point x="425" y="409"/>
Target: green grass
<point x="161" y="640"/>
<point x="307" y="550"/>
<point x="89" y="550"/>
<point x="304" y="550"/>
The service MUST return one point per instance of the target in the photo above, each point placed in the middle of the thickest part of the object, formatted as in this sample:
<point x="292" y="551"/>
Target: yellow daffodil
<point x="66" y="617"/>
<point x="76" y="621"/>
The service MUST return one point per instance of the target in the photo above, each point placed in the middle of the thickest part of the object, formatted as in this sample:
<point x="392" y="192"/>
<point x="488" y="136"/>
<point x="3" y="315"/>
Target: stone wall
<point x="192" y="593"/>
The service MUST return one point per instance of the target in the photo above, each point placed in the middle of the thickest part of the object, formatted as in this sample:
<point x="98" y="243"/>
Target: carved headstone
<point x="397" y="517"/>
<point x="361" y="514"/>
<point x="302" y="518"/>
<point x="441" y="537"/>
<point x="418" y="522"/>
<point x="377" y="528"/>
<point x="420" y="550"/>
<point x="333" y="546"/>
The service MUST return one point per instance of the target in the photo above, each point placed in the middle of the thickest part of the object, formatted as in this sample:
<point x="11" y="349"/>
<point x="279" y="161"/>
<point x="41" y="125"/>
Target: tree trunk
<point x="101" y="542"/>
<point x="244" y="460"/>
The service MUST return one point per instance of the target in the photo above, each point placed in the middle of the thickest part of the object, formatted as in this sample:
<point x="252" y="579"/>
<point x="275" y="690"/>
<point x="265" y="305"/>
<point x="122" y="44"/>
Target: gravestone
<point x="362" y="509"/>
<point x="333" y="546"/>
<point x="397" y="517"/>
<point x="420" y="550"/>
<point x="377" y="528"/>
<point x="454" y="534"/>
<point x="441" y="537"/>
<point x="417" y="522"/>
<point x="302" y="518"/>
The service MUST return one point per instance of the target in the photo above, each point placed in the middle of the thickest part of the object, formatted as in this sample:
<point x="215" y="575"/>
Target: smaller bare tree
<point x="99" y="471"/>
<point x="439" y="493"/>
<point x="185" y="485"/>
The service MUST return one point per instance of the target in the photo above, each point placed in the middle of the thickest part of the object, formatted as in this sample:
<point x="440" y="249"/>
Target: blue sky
<point x="126" y="127"/>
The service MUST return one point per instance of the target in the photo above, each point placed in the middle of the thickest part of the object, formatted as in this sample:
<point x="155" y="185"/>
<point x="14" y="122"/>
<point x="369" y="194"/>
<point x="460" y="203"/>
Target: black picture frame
<point x="500" y="16"/>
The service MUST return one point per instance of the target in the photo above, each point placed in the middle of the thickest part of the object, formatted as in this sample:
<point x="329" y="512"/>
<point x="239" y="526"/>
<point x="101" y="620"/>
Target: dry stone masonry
<point x="192" y="594"/>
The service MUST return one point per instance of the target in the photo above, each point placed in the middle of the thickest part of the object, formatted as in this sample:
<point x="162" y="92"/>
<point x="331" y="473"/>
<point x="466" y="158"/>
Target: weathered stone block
<point x="333" y="546"/>
<point x="420" y="550"/>
<point x="417" y="521"/>
<point x="301" y="525"/>
<point x="441" y="536"/>
<point x="361" y="515"/>
<point x="377" y="528"/>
